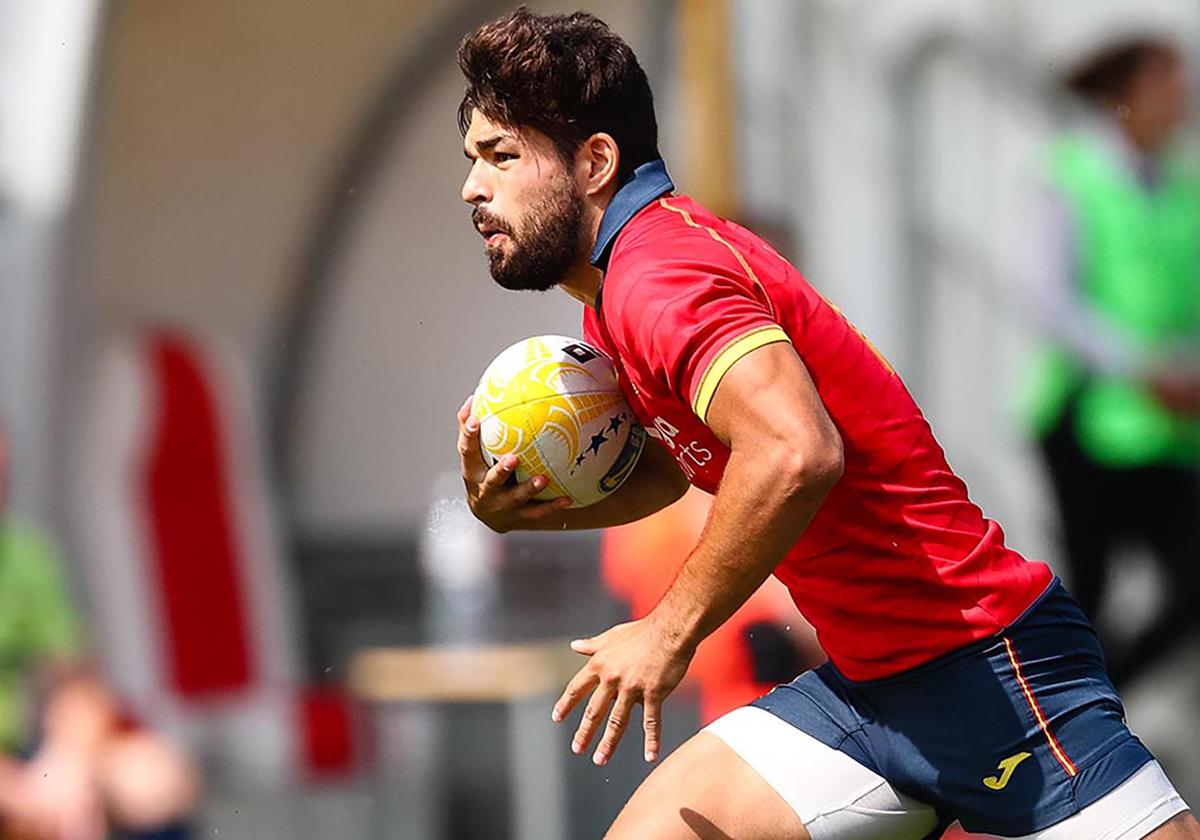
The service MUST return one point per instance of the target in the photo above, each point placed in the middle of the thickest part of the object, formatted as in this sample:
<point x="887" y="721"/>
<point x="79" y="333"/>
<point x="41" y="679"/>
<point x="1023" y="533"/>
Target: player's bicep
<point x="766" y="400"/>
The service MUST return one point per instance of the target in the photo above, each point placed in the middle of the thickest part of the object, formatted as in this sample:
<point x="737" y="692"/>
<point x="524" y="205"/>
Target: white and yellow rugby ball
<point x="553" y="401"/>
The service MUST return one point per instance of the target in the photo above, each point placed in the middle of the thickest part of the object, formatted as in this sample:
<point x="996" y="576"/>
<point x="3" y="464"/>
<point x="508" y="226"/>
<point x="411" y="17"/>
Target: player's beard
<point x="546" y="245"/>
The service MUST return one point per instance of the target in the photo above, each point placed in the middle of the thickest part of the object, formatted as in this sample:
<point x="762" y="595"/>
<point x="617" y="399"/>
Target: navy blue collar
<point x="646" y="183"/>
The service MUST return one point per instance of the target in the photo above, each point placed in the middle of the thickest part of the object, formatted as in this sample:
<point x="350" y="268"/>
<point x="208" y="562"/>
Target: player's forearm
<point x="766" y="501"/>
<point x="620" y="508"/>
<point x="655" y="483"/>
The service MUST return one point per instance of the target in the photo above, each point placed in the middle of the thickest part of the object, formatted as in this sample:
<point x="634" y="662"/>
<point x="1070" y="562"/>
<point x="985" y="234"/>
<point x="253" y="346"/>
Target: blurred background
<point x="241" y="300"/>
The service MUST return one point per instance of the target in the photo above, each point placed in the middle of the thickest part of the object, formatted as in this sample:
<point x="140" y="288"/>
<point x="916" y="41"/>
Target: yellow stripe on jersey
<point x="726" y="358"/>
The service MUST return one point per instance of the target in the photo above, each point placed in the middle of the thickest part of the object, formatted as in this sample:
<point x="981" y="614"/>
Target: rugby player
<point x="964" y="682"/>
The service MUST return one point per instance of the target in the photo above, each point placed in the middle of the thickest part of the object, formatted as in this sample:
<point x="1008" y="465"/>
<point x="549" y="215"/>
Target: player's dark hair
<point x="1106" y="76"/>
<point x="567" y="76"/>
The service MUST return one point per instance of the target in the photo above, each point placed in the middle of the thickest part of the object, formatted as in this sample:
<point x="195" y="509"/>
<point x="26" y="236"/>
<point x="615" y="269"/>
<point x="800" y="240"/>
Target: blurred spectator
<point x="1116" y="398"/>
<point x="76" y="769"/>
<point x="191" y="590"/>
<point x="764" y="643"/>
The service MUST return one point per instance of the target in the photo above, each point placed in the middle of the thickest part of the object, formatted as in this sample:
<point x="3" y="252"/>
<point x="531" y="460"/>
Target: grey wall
<point x="415" y="321"/>
<point x="216" y="128"/>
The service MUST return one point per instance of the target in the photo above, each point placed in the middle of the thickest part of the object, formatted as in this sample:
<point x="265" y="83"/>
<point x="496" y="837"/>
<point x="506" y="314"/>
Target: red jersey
<point x="898" y="566"/>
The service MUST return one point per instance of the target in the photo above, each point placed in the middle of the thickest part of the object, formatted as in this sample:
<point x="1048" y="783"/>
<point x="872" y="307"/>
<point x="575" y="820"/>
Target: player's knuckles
<point x="587" y="729"/>
<point x="526" y="492"/>
<point x="577" y="689"/>
<point x="519" y="496"/>
<point x="602" y="659"/>
<point x="641" y="682"/>
<point x="654" y="694"/>
<point x="612" y="679"/>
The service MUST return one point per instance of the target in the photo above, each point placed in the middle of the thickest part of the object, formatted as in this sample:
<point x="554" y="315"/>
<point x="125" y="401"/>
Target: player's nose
<point x="475" y="189"/>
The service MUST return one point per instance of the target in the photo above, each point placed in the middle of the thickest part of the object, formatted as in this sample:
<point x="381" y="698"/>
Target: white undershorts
<point x="839" y="799"/>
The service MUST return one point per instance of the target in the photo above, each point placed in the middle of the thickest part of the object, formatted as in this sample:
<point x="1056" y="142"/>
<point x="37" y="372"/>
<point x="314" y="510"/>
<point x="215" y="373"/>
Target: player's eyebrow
<point x="485" y="145"/>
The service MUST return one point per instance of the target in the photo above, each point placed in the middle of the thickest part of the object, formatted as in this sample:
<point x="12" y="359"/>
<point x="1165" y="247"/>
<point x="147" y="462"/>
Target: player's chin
<point x="525" y="284"/>
<point x="522" y="282"/>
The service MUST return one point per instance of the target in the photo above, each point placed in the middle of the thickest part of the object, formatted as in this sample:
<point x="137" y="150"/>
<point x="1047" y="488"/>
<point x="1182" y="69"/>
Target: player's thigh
<point x="706" y="790"/>
<point x="753" y="776"/>
<point x="1181" y="827"/>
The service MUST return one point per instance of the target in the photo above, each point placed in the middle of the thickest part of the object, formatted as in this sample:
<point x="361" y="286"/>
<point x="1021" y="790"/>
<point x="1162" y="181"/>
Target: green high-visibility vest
<point x="1139" y="262"/>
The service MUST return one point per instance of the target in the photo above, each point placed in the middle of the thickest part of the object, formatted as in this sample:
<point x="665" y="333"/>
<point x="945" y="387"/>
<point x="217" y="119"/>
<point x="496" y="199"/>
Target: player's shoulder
<point x="669" y="249"/>
<point x="662" y="226"/>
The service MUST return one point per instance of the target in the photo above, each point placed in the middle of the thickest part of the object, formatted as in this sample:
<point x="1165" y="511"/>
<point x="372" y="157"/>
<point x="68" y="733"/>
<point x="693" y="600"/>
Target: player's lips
<point x="491" y="235"/>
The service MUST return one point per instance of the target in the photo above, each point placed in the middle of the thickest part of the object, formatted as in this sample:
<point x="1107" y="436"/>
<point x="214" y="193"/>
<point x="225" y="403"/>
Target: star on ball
<point x="597" y="442"/>
<point x="614" y="423"/>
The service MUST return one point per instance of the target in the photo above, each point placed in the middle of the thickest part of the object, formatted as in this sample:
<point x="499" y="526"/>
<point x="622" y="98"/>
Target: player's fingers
<point x="536" y="511"/>
<point x="500" y="473"/>
<point x="618" y="719"/>
<point x="589" y="646"/>
<point x="593" y="714"/>
<point x="652" y="724"/>
<point x="526" y="490"/>
<point x="580" y="684"/>
<point x="474" y="469"/>
<point x="464" y="410"/>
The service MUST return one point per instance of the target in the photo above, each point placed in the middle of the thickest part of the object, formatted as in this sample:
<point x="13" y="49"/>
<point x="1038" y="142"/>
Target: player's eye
<point x="502" y="157"/>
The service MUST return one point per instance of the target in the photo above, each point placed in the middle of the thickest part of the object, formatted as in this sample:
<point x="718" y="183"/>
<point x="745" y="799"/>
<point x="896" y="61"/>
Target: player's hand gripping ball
<point x="554" y="402"/>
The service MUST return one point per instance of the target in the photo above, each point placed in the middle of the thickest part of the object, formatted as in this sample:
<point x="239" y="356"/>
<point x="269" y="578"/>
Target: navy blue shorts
<point x="1009" y="735"/>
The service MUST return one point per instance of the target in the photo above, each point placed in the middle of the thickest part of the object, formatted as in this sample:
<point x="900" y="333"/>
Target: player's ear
<point x="598" y="160"/>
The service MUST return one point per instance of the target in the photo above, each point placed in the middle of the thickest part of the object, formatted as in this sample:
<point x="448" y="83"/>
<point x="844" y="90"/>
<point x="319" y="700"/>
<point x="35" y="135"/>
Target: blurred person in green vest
<point x="71" y="768"/>
<point x="1115" y="397"/>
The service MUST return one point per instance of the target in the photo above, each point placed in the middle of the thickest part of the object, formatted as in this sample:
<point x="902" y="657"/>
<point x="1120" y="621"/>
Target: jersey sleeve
<point x="690" y="324"/>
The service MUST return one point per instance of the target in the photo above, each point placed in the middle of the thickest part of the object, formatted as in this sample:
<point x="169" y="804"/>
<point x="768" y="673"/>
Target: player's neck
<point x="583" y="280"/>
<point x="583" y="283"/>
